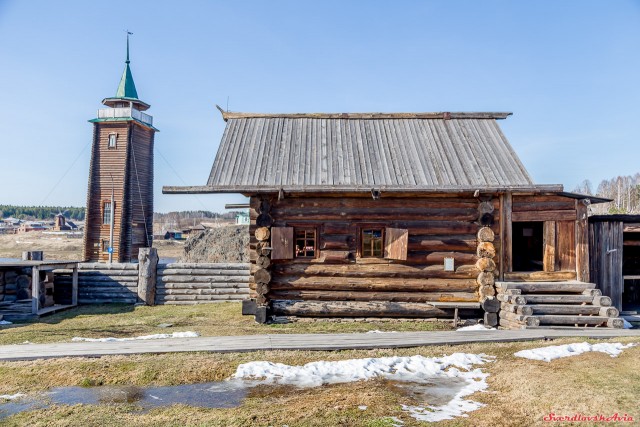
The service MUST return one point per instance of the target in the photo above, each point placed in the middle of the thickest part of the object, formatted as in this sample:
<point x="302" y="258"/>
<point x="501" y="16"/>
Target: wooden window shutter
<point x="396" y="243"/>
<point x="282" y="243"/>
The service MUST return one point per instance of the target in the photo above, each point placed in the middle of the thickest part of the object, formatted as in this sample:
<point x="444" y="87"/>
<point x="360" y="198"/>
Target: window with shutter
<point x="305" y="242"/>
<point x="282" y="243"/>
<point x="371" y="239"/>
<point x="396" y="243"/>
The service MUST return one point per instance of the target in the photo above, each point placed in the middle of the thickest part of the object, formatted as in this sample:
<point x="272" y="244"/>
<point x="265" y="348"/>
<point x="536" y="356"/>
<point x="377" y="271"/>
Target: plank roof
<point x="364" y="151"/>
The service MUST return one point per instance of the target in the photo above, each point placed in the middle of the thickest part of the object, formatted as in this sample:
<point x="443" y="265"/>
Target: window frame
<point x="111" y="211"/>
<point x="309" y="226"/>
<point x="305" y="229"/>
<point x="364" y="227"/>
<point x="105" y="246"/>
<point x="113" y="135"/>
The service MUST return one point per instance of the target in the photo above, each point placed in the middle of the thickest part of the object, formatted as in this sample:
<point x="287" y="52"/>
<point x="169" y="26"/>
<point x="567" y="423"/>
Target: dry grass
<point x="60" y="247"/>
<point x="54" y="246"/>
<point x="520" y="392"/>
<point x="207" y="319"/>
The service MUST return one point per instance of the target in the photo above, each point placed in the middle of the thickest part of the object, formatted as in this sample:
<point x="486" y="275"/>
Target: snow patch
<point x="187" y="334"/>
<point x="375" y="331"/>
<point x="626" y="325"/>
<point x="363" y="407"/>
<point x="11" y="396"/>
<point x="550" y="353"/>
<point x="477" y="327"/>
<point x="5" y="322"/>
<point x="409" y="369"/>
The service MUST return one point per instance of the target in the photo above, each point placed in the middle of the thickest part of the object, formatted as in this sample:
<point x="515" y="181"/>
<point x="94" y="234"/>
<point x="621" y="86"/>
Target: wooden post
<point x="35" y="290"/>
<point x="508" y="231"/>
<point x="148" y="263"/>
<point x="549" y="243"/>
<point x="502" y="231"/>
<point x="74" y="286"/>
<point x="582" y="241"/>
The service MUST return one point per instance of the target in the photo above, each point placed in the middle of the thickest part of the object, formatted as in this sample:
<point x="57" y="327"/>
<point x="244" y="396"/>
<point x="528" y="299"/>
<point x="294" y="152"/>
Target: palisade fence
<point x="176" y="283"/>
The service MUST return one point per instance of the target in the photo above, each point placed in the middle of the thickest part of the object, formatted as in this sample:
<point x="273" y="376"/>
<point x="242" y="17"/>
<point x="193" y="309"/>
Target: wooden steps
<point x="570" y="286"/>
<point x="547" y="304"/>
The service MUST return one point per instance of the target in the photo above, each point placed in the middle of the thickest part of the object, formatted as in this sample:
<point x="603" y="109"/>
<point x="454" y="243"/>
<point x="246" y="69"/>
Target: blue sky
<point x="568" y="70"/>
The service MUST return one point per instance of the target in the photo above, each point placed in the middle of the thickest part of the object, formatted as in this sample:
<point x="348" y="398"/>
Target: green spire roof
<point x="127" y="88"/>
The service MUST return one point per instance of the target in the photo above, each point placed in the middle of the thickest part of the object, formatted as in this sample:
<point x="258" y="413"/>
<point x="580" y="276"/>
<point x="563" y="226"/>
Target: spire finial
<point x="128" y="33"/>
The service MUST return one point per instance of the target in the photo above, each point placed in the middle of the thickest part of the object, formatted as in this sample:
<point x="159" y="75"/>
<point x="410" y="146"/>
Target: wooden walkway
<point x="245" y="343"/>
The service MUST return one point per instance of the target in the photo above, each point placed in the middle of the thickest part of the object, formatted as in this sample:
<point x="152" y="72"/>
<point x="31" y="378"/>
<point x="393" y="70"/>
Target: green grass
<point x="98" y="321"/>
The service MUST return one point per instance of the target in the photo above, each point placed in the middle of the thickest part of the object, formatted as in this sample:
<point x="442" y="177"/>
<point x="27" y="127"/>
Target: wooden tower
<point x="119" y="217"/>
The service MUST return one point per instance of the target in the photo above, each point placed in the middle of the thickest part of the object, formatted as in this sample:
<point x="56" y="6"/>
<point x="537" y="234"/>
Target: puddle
<point x="436" y="391"/>
<point x="224" y="394"/>
<point x="431" y="392"/>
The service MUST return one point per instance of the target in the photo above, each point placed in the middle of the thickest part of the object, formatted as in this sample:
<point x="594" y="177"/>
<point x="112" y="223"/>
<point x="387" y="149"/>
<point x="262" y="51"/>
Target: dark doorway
<point x="527" y="246"/>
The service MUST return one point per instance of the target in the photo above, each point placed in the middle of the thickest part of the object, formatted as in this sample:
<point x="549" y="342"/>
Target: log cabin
<point x="398" y="215"/>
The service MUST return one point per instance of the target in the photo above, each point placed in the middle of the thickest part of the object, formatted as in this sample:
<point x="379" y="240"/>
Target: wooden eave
<point x="250" y="189"/>
<point x="124" y="119"/>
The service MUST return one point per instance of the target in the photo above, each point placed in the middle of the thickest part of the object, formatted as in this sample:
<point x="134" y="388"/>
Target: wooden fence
<point x="176" y="283"/>
<point x="189" y="283"/>
<point x="101" y="283"/>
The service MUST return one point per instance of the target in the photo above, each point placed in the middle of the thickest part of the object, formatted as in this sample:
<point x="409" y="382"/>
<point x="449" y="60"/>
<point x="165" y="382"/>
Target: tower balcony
<point x="125" y="113"/>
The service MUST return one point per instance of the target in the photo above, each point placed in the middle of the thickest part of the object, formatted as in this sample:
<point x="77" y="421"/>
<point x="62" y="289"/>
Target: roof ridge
<point x="444" y="115"/>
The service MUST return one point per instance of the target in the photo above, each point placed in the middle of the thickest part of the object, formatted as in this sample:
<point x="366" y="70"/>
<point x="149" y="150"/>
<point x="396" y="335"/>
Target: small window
<point x="105" y="246"/>
<point x="112" y="140"/>
<point x="106" y="213"/>
<point x="305" y="243"/>
<point x="372" y="242"/>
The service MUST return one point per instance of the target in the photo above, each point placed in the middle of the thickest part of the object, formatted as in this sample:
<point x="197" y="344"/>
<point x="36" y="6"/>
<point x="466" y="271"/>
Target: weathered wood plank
<point x="541" y="276"/>
<point x="357" y="309"/>
<point x="563" y="215"/>
<point x="374" y="296"/>
<point x="549" y="246"/>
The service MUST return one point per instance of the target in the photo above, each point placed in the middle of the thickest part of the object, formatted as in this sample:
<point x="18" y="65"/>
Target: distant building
<point x="193" y="230"/>
<point x="173" y="235"/>
<point x="242" y="218"/>
<point x="120" y="191"/>
<point x="29" y="226"/>
<point x="60" y="223"/>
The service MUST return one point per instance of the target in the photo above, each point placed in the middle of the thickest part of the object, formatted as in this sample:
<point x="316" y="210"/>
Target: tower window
<point x="113" y="137"/>
<point x="106" y="213"/>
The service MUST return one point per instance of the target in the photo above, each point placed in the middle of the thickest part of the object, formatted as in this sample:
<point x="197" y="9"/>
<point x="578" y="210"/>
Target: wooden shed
<point x="614" y="242"/>
<point x="394" y="215"/>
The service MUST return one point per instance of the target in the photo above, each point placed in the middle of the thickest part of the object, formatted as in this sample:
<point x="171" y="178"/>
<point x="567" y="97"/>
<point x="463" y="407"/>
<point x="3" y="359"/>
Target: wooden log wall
<point x="438" y="227"/>
<point x="15" y="294"/>
<point x="191" y="283"/>
<point x="106" y="163"/>
<point x="139" y="193"/>
<point x="101" y="283"/>
<point x="130" y="164"/>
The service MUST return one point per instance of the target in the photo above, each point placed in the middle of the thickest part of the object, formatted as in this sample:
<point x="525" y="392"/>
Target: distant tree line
<point x="623" y="190"/>
<point x="41" y="212"/>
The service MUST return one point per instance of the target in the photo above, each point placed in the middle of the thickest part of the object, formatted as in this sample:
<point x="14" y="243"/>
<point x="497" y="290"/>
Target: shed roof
<point x="362" y="151"/>
<point x="370" y="150"/>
